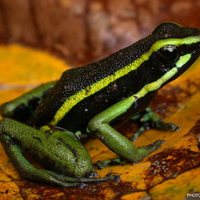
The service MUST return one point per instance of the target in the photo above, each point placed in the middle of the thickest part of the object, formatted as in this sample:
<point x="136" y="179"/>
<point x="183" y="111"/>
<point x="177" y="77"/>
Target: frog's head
<point x="176" y="48"/>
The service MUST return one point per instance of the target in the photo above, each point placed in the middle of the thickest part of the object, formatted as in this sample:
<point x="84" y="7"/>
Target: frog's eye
<point x="167" y="54"/>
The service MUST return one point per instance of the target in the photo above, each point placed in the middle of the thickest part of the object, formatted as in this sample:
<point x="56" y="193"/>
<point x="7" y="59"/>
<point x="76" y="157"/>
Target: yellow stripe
<point x="89" y="90"/>
<point x="157" y="84"/>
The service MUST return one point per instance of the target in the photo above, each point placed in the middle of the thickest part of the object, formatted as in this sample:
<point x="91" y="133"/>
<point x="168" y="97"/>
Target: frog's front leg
<point x="99" y="125"/>
<point x="63" y="154"/>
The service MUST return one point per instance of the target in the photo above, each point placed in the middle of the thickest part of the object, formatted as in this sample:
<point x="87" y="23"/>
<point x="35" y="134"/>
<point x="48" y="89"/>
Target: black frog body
<point x="130" y="82"/>
<point x="92" y="97"/>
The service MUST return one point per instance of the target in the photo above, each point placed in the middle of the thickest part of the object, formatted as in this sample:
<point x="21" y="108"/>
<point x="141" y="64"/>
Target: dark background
<point x="82" y="31"/>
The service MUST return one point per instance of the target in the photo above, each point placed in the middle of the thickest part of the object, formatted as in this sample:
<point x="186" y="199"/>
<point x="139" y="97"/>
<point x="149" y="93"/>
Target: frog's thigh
<point x="99" y="125"/>
<point x="83" y="163"/>
<point x="70" y="158"/>
<point x="11" y="131"/>
<point x="24" y="168"/>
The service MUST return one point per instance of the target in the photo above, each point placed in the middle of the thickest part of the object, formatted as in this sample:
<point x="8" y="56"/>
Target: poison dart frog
<point x="47" y="121"/>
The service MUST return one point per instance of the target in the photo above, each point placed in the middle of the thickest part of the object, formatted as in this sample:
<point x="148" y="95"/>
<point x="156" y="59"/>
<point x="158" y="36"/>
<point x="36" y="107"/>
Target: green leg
<point x="28" y="171"/>
<point x="119" y="144"/>
<point x="25" y="104"/>
<point x="45" y="147"/>
<point x="111" y="162"/>
<point x="148" y="119"/>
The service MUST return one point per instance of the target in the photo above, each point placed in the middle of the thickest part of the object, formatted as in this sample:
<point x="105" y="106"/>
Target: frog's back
<point x="96" y="78"/>
<point x="82" y="93"/>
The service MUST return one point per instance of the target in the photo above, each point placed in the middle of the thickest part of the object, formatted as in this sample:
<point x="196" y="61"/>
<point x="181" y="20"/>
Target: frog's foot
<point x="141" y="151"/>
<point x="111" y="162"/>
<point x="49" y="177"/>
<point x="65" y="181"/>
<point x="148" y="119"/>
<point x="146" y="150"/>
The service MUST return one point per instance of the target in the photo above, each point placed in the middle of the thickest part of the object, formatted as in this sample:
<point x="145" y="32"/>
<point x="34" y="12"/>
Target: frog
<point x="48" y="121"/>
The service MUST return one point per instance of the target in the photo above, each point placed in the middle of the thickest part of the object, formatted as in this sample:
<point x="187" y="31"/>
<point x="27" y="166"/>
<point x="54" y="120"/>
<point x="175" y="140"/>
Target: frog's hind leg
<point x="13" y="133"/>
<point x="148" y="119"/>
<point x="22" y="107"/>
<point x="28" y="171"/>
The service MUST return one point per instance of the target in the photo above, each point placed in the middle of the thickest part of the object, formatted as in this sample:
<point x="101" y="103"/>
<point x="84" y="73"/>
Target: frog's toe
<point x="116" y="178"/>
<point x="155" y="145"/>
<point x="173" y="126"/>
<point x="146" y="150"/>
<point x="166" y="126"/>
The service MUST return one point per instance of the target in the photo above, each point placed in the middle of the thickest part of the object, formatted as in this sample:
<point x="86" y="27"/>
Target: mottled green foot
<point x="146" y="150"/>
<point x="141" y="151"/>
<point x="148" y="119"/>
<point x="111" y="162"/>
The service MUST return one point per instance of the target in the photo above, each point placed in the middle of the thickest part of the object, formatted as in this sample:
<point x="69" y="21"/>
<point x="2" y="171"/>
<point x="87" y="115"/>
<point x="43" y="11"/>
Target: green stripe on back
<point x="97" y="86"/>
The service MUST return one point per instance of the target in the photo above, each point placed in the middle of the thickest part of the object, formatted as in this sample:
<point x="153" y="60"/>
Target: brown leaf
<point x="83" y="31"/>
